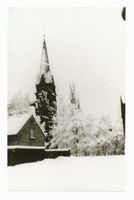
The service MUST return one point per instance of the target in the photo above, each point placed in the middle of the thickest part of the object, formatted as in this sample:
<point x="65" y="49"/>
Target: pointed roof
<point x="44" y="67"/>
<point x="16" y="122"/>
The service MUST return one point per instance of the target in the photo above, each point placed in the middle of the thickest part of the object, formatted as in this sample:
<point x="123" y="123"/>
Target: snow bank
<point x="73" y="174"/>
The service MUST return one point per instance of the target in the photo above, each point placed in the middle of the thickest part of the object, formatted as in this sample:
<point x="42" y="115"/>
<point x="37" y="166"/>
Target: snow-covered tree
<point x="71" y="130"/>
<point x="19" y="104"/>
<point x="85" y="135"/>
<point x="110" y="139"/>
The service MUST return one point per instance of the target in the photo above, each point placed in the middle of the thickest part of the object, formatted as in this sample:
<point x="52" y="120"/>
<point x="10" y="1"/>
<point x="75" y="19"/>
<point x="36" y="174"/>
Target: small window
<point x="32" y="134"/>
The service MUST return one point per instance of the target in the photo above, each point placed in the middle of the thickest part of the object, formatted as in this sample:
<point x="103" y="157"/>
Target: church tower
<point x="45" y="104"/>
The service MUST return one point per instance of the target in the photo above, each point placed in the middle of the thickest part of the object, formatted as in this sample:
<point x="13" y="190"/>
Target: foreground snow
<point x="70" y="173"/>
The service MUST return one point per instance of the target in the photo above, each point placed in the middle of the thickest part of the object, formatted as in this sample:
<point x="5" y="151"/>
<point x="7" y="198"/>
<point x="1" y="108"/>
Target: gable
<point x="31" y="134"/>
<point x="31" y="123"/>
<point x="18" y="122"/>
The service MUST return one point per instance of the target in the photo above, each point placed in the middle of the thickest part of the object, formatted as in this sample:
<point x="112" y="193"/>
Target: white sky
<point x="85" y="46"/>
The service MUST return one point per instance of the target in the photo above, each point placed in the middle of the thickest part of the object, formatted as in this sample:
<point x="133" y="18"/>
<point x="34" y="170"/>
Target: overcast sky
<point x="85" y="46"/>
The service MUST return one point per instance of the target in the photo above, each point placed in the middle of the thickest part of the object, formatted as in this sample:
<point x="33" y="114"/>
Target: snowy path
<point x="74" y="173"/>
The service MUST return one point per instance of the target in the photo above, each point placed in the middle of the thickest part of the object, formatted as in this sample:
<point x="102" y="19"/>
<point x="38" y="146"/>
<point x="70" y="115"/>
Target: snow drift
<point x="70" y="174"/>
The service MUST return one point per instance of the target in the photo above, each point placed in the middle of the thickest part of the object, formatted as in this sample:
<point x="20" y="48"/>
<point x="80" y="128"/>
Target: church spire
<point x="45" y="103"/>
<point x="44" y="67"/>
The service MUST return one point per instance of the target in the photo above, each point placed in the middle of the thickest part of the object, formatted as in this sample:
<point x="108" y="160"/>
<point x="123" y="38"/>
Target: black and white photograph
<point x="66" y="98"/>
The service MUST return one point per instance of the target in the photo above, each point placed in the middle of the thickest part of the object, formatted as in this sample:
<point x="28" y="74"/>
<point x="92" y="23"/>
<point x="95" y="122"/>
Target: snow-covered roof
<point x="16" y="122"/>
<point x="25" y="147"/>
<point x="35" y="147"/>
<point x="65" y="149"/>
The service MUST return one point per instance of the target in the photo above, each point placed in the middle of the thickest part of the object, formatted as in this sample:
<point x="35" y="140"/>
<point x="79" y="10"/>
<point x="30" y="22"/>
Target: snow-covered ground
<point x="70" y="173"/>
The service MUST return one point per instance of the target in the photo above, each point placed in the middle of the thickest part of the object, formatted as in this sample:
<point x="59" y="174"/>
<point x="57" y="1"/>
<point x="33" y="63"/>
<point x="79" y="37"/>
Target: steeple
<point x="44" y="67"/>
<point x="45" y="103"/>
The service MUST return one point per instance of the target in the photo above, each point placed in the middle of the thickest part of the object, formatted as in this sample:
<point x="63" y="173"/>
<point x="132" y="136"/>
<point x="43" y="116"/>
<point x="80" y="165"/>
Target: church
<point x="29" y="135"/>
<point x="44" y="110"/>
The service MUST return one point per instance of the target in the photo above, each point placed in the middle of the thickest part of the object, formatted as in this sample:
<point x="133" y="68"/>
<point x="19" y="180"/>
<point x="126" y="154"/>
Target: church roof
<point x="44" y="68"/>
